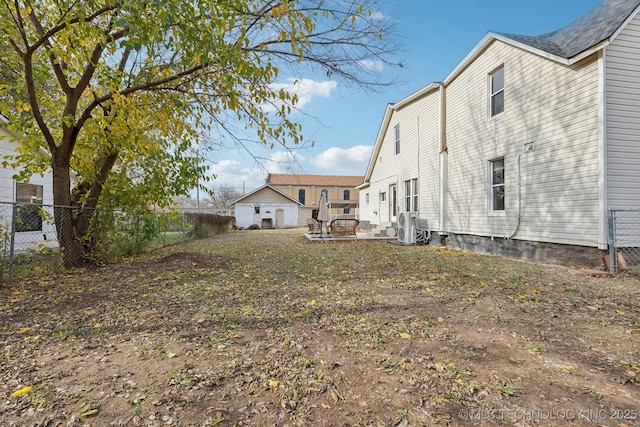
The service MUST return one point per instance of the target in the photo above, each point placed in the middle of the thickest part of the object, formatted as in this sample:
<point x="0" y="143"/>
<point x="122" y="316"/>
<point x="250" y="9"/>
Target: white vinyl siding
<point x="417" y="159"/>
<point x="550" y="104"/>
<point x="622" y="72"/>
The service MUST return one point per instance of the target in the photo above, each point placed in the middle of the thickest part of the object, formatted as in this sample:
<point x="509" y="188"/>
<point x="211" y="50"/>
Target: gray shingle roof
<point x="597" y="25"/>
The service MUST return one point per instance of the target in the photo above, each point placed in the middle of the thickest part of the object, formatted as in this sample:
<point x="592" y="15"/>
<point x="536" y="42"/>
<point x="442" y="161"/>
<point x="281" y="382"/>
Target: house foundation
<point x="554" y="253"/>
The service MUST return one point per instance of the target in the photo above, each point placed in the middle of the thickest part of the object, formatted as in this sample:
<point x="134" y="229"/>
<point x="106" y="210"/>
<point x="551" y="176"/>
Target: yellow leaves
<point x="273" y="384"/>
<point x="620" y="312"/>
<point x="280" y="11"/>
<point x="22" y="107"/>
<point x="405" y="336"/>
<point x="22" y="391"/>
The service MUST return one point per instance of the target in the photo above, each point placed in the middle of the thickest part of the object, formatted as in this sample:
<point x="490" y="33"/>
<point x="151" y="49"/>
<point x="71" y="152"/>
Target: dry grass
<point x="263" y="328"/>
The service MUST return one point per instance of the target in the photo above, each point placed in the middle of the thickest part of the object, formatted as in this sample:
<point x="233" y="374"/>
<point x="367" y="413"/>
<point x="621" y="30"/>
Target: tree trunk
<point x="71" y="221"/>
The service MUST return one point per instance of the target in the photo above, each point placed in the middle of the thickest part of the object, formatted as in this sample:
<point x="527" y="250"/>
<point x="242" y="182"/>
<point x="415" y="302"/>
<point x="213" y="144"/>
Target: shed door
<point x="279" y="218"/>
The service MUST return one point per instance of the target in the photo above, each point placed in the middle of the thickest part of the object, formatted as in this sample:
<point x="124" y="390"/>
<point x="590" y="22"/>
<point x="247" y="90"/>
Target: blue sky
<point x="343" y="123"/>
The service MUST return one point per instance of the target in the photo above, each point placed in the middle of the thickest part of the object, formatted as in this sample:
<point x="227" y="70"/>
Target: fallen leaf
<point x="90" y="413"/>
<point x="21" y="391"/>
<point x="405" y="336"/>
<point x="274" y="383"/>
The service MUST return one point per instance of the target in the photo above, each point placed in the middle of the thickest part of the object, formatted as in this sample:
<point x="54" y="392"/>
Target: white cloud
<point x="231" y="173"/>
<point x="378" y="16"/>
<point x="339" y="161"/>
<point x="375" y="66"/>
<point x="284" y="162"/>
<point x="307" y="89"/>
<point x="234" y="174"/>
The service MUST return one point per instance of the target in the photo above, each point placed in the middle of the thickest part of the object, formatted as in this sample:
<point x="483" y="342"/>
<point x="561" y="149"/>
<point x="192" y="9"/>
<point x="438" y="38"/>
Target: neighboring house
<point x="33" y="229"/>
<point x="524" y="146"/>
<point x="340" y="190"/>
<point x="266" y="207"/>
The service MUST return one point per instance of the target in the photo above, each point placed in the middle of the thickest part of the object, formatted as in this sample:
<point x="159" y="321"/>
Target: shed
<point x="267" y="208"/>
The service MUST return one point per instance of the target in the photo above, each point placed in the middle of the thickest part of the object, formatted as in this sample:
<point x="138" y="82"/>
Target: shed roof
<point x="268" y="188"/>
<point x="327" y="180"/>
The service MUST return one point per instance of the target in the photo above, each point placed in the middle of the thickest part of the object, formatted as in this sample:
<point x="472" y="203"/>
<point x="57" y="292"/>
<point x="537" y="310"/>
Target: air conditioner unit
<point x="407" y="228"/>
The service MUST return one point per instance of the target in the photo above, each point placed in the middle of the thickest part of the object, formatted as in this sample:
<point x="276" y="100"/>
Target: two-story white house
<point x="524" y="146"/>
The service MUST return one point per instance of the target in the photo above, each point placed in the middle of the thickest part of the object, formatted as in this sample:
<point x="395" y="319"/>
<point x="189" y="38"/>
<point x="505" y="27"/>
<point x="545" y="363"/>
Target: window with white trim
<point x="496" y="186"/>
<point x="411" y="195"/>
<point x="496" y="92"/>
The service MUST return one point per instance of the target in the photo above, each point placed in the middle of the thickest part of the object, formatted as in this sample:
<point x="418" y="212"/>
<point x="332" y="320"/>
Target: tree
<point x="117" y="92"/>
<point x="223" y="195"/>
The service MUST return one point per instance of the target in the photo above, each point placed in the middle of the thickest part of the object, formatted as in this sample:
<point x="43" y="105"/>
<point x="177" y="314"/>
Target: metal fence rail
<point x="624" y="239"/>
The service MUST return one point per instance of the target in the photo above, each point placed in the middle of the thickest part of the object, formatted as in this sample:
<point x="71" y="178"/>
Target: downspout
<point x="443" y="163"/>
<point x="518" y="197"/>
<point x="418" y="185"/>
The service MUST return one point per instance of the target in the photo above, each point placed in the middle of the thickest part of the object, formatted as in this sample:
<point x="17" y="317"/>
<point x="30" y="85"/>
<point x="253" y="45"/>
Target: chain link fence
<point x="624" y="239"/>
<point x="29" y="240"/>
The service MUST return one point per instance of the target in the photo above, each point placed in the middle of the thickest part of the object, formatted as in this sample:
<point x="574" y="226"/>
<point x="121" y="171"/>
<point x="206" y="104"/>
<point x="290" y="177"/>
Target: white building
<point x="33" y="226"/>
<point x="267" y="208"/>
<point x="522" y="148"/>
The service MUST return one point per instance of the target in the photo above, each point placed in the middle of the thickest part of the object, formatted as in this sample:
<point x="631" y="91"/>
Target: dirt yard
<point x="262" y="328"/>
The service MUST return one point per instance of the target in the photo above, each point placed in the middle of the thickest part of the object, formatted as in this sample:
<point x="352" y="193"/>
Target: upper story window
<point x="29" y="197"/>
<point x="346" y="196"/>
<point x="496" y="186"/>
<point x="496" y="90"/>
<point x="397" y="128"/>
<point x="301" y="195"/>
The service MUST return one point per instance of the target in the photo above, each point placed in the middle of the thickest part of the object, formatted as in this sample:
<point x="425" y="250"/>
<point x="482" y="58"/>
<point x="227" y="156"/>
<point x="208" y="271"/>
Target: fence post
<point x="613" y="260"/>
<point x="12" y="242"/>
